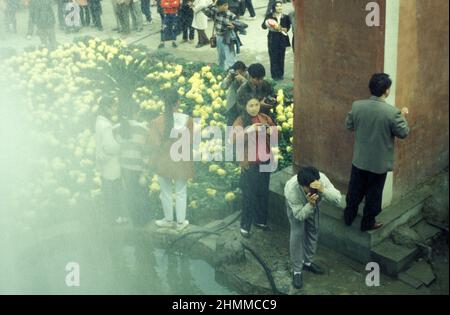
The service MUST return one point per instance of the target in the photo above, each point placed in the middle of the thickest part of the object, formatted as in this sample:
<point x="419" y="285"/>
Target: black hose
<point x="190" y="233"/>
<point x="253" y="252"/>
<point x="265" y="267"/>
<point x="216" y="232"/>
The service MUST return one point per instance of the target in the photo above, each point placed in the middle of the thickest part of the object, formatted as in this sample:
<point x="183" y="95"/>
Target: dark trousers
<point x="368" y="185"/>
<point x="277" y="55"/>
<point x="123" y="13"/>
<point x="95" y="6"/>
<point x="202" y="37"/>
<point x="249" y="7"/>
<point x="85" y="16"/>
<point x="135" y="197"/>
<point x="47" y="36"/>
<point x="145" y="8"/>
<point x="112" y="198"/>
<point x="10" y="19"/>
<point x="255" y="196"/>
<point x="188" y="32"/>
<point x="170" y="23"/>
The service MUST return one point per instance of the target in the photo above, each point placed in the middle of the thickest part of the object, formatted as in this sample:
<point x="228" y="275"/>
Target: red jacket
<point x="170" y="6"/>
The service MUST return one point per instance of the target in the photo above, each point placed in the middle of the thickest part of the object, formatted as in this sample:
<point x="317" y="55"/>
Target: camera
<point x="313" y="191"/>
<point x="232" y="73"/>
<point x="271" y="100"/>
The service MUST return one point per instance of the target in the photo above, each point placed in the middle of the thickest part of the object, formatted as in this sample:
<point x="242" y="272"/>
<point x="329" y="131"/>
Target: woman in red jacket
<point x="254" y="179"/>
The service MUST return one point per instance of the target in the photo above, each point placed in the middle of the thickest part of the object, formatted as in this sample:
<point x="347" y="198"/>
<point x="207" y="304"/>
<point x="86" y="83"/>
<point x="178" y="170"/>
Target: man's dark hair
<point x="307" y="175"/>
<point x="220" y="3"/>
<point x="379" y="84"/>
<point x="257" y="71"/>
<point x="275" y="4"/>
<point x="239" y="65"/>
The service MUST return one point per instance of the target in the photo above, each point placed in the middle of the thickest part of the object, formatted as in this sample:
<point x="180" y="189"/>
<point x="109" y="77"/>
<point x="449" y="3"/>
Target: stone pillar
<point x="337" y="52"/>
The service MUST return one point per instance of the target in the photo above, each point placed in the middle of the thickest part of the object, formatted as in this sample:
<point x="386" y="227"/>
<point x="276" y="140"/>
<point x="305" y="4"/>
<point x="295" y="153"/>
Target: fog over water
<point x="36" y="248"/>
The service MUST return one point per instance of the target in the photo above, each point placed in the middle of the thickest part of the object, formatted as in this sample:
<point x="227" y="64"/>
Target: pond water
<point x="114" y="269"/>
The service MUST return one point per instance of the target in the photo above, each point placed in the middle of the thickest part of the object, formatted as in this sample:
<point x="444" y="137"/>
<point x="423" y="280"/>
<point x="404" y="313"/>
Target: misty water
<point x="35" y="248"/>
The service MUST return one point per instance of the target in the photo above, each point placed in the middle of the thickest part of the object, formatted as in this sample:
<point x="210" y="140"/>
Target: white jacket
<point x="296" y="197"/>
<point x="107" y="149"/>
<point x="200" y="21"/>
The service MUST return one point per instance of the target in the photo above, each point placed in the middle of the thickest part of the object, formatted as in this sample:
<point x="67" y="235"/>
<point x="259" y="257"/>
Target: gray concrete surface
<point x="254" y="43"/>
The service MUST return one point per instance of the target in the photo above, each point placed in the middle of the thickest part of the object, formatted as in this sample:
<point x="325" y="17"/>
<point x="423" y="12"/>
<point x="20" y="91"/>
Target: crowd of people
<point x="129" y="148"/>
<point x="178" y="17"/>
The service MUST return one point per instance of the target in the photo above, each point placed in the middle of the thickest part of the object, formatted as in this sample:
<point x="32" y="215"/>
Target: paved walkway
<point x="254" y="49"/>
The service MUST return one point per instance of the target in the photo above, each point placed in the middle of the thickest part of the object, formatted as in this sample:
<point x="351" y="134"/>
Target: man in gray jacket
<point x="304" y="193"/>
<point x="376" y="124"/>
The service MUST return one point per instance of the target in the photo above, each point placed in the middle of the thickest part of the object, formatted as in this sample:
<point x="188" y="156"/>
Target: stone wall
<point x="336" y="52"/>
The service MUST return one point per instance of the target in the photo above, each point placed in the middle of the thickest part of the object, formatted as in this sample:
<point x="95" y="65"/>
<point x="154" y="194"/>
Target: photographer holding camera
<point x="257" y="87"/>
<point x="304" y="193"/>
<point x="237" y="75"/>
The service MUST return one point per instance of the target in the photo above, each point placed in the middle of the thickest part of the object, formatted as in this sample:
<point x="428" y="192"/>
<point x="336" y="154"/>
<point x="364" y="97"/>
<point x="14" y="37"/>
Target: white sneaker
<point x="165" y="223"/>
<point x="181" y="226"/>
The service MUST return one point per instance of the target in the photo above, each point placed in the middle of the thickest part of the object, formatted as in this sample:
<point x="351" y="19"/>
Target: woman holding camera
<point x="257" y="154"/>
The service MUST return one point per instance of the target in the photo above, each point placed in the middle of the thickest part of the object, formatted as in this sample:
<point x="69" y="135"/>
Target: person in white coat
<point x="107" y="159"/>
<point x="200" y="22"/>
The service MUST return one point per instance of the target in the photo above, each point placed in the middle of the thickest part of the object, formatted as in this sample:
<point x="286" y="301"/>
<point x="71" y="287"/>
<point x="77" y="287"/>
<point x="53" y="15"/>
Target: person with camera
<point x="254" y="181"/>
<point x="223" y="24"/>
<point x="304" y="193"/>
<point x="237" y="75"/>
<point x="257" y="87"/>
<point x="376" y="124"/>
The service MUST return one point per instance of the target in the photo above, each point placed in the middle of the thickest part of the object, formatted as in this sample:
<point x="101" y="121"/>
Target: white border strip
<point x="390" y="67"/>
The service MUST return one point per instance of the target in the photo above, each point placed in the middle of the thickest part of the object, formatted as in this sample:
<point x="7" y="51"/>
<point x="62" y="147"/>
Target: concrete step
<point x="393" y="258"/>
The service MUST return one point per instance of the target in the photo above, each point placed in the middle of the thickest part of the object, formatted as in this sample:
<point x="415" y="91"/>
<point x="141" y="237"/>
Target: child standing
<point x="170" y="9"/>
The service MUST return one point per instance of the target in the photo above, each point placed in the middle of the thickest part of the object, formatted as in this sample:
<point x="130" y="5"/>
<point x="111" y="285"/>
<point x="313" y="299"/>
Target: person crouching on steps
<point x="303" y="193"/>
<point x="171" y="174"/>
<point x="254" y="180"/>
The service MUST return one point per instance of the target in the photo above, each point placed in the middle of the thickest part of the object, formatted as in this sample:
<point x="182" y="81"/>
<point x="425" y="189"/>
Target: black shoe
<point x="162" y="45"/>
<point x="297" y="281"/>
<point x="348" y="221"/>
<point x="174" y="45"/>
<point x="313" y="268"/>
